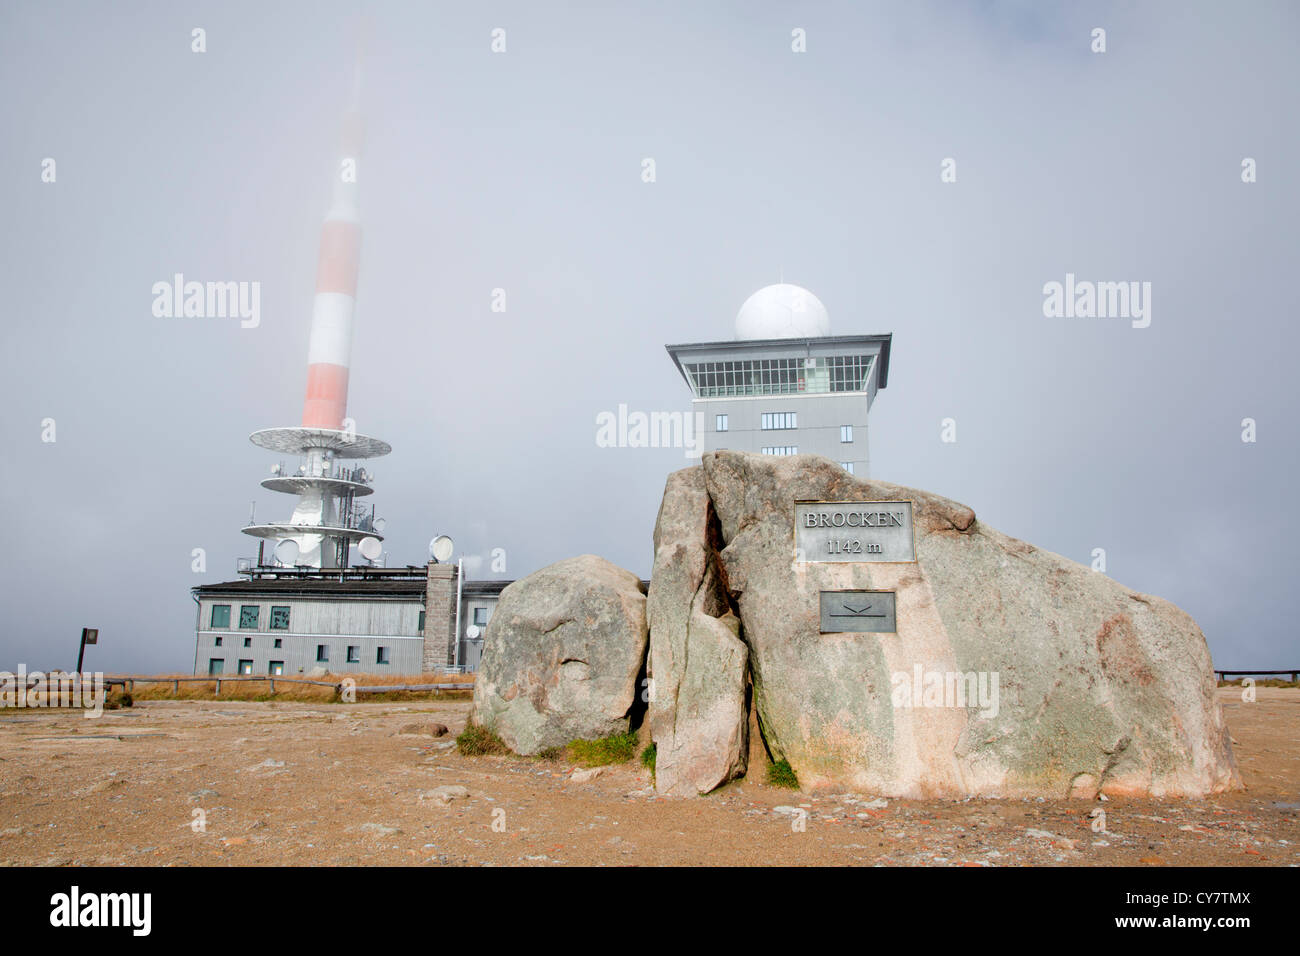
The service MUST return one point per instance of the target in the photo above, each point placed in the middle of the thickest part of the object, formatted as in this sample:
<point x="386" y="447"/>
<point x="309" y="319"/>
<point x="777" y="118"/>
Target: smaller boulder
<point x="426" y="729"/>
<point x="562" y="656"/>
<point x="445" y="794"/>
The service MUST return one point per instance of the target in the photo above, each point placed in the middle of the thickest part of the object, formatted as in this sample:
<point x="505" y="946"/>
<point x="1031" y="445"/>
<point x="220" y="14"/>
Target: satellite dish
<point x="370" y="548"/>
<point x="441" y="548"/>
<point x="379" y="525"/>
<point x="472" y="631"/>
<point x="286" y="552"/>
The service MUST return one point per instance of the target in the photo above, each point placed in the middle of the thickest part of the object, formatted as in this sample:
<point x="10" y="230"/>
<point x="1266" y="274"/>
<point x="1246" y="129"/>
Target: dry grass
<point x="476" y="741"/>
<point x="232" y="688"/>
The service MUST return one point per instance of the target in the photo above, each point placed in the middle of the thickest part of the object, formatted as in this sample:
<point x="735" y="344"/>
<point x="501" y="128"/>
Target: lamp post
<point x="89" y="635"/>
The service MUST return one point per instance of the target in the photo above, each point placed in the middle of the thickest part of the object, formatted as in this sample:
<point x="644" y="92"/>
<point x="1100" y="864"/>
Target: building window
<point x="248" y="616"/>
<point x="847" y="466"/>
<point x="248" y="642"/>
<point x="420" y="626"/>
<point x="279" y="618"/>
<point x="781" y="450"/>
<point x="221" y="615"/>
<point x="216" y="665"/>
<point x="217" y="641"/>
<point x="354" y="655"/>
<point x="381" y="655"/>
<point x="480" y="616"/>
<point x="780" y="376"/>
<point x="776" y="420"/>
<point x="276" y="668"/>
<point x="846" y="433"/>
<point x="279" y="642"/>
<point x="245" y="667"/>
<point x="322" y="654"/>
<point x="720" y="423"/>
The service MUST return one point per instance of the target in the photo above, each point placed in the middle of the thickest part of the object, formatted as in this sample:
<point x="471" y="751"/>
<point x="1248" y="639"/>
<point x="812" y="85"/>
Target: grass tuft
<point x="116" y="699"/>
<point x="648" y="760"/>
<point x="617" y="748"/>
<point x="781" y="774"/>
<point x="476" y="741"/>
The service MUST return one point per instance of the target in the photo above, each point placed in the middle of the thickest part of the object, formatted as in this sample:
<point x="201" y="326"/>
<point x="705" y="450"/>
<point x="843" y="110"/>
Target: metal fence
<point x="1224" y="675"/>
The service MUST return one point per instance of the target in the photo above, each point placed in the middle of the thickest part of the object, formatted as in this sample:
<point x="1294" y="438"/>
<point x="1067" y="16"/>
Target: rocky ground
<point x="192" y="782"/>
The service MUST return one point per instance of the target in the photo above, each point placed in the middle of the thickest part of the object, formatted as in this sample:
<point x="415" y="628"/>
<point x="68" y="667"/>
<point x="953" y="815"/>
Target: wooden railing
<point x="128" y="683"/>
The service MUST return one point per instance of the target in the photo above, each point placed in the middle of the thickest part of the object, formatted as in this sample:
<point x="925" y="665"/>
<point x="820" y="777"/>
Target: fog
<point x="522" y="171"/>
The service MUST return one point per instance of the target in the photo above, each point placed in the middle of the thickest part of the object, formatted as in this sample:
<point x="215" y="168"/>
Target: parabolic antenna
<point x="472" y="631"/>
<point x="441" y="548"/>
<point x="370" y="548"/>
<point x="379" y="525"/>
<point x="286" y="552"/>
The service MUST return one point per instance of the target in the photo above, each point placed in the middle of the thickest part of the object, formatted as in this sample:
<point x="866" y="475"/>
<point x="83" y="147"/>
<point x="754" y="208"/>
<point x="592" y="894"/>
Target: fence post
<point x="272" y="685"/>
<point x="218" y="691"/>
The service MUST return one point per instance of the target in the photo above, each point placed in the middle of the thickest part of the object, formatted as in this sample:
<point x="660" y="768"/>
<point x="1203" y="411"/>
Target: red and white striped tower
<point x="330" y="349"/>
<point x="326" y="522"/>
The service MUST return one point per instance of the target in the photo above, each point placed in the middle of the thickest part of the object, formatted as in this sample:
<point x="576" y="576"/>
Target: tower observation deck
<point x="327" y="520"/>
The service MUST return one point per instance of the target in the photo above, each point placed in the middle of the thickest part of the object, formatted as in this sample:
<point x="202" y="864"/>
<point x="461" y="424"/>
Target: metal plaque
<point x="851" y="531"/>
<point x="870" y="612"/>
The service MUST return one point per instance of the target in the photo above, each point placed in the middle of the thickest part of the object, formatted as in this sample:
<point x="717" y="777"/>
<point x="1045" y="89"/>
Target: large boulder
<point x="1088" y="686"/>
<point x="562" y="656"/>
<point x="698" y="663"/>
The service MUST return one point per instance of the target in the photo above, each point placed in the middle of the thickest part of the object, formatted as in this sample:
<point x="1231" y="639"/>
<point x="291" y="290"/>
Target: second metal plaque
<point x="870" y="612"/>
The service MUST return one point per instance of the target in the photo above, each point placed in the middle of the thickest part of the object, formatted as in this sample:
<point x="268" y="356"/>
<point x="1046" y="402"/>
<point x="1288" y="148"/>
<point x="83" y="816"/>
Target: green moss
<point x="476" y="741"/>
<point x="617" y="748"/>
<point x="648" y="759"/>
<point x="551" y="753"/>
<point x="781" y="774"/>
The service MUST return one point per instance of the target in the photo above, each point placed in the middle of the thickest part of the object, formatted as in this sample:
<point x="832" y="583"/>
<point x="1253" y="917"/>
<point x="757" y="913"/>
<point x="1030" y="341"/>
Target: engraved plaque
<point x="851" y="531"/>
<point x="870" y="612"/>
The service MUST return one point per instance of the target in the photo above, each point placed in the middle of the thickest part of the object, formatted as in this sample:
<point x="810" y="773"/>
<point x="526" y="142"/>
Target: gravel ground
<point x="197" y="782"/>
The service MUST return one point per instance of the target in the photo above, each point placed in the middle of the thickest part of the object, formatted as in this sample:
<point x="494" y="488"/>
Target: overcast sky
<point x="522" y="170"/>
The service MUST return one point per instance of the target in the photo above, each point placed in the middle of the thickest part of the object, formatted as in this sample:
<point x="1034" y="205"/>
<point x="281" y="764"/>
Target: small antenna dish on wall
<point x="441" y="548"/>
<point x="472" y="631"/>
<point x="370" y="548"/>
<point x="286" y="552"/>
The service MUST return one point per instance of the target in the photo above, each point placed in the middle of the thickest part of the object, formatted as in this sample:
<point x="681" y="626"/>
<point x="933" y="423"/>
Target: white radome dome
<point x="782" y="311"/>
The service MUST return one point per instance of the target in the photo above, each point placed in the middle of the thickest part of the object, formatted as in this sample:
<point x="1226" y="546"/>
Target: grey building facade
<point x="364" y="620"/>
<point x="787" y="396"/>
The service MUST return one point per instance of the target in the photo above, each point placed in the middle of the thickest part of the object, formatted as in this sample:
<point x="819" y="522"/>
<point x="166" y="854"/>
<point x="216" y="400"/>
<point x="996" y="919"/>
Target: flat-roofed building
<point x="785" y="386"/>
<point x="367" y="620"/>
